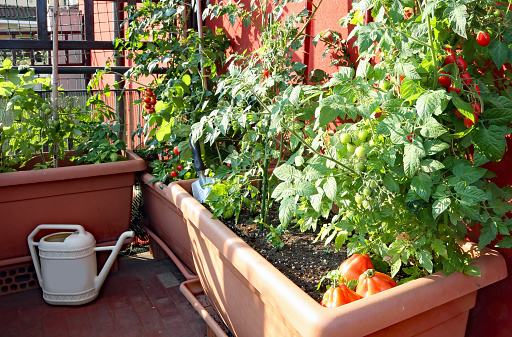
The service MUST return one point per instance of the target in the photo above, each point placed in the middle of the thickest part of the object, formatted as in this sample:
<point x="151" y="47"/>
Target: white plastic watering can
<point x="66" y="268"/>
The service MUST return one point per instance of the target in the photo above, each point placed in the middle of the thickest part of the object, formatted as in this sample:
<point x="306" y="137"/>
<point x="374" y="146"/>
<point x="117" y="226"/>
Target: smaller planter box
<point x="96" y="196"/>
<point x="255" y="299"/>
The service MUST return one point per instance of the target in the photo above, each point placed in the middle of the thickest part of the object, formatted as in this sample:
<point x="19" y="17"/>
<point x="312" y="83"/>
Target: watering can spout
<point x="98" y="280"/>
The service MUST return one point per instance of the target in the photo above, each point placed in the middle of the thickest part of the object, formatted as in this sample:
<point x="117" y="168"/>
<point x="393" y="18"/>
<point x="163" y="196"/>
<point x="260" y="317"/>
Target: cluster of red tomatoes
<point x="174" y="173"/>
<point x="357" y="267"/>
<point x="150" y="101"/>
<point x="467" y="83"/>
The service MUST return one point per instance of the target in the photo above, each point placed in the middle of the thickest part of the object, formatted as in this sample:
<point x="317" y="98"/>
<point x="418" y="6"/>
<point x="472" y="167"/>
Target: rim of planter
<point x="393" y="305"/>
<point x="133" y="164"/>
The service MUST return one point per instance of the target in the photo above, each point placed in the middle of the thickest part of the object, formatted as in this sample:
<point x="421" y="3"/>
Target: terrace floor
<point x="141" y="299"/>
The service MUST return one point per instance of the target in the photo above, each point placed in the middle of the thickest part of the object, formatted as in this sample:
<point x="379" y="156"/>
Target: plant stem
<point x="433" y="51"/>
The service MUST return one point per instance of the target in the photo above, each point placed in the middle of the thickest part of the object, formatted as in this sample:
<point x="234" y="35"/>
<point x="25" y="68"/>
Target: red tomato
<point x="461" y="64"/>
<point x="483" y="39"/>
<point x="147" y="100"/>
<point x="174" y="174"/>
<point x="148" y="106"/>
<point x="477" y="108"/>
<point x="458" y="114"/>
<point x="265" y="73"/>
<point x="149" y="92"/>
<point x="410" y="138"/>
<point x="452" y="88"/>
<point x="450" y="58"/>
<point x="354" y="266"/>
<point x="175" y="150"/>
<point x="338" y="296"/>
<point x="445" y="81"/>
<point x="371" y="282"/>
<point x="153" y="101"/>
<point x="477" y="89"/>
<point x="150" y="111"/>
<point x="466" y="79"/>
<point x="468" y="122"/>
<point x="179" y="167"/>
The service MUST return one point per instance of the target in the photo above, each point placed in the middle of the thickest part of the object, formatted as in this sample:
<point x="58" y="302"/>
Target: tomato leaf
<point x="501" y="116"/>
<point x="499" y="52"/>
<point x="432" y="128"/>
<point x="305" y="189"/>
<point x="425" y="259"/>
<point x="286" y="172"/>
<point x="330" y="108"/>
<point x="491" y="142"/>
<point x="286" y="210"/>
<point x="330" y="188"/>
<point x="413" y="152"/>
<point x="456" y="14"/>
<point x="422" y="185"/>
<point x="506" y="242"/>
<point x="440" y="206"/>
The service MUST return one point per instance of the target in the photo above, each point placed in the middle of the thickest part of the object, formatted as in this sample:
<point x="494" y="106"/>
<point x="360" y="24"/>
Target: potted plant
<point x="90" y="186"/>
<point x="406" y="177"/>
<point x="173" y="101"/>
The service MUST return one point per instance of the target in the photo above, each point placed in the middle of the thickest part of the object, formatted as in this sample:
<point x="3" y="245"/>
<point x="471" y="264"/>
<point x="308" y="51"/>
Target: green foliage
<point x="34" y="130"/>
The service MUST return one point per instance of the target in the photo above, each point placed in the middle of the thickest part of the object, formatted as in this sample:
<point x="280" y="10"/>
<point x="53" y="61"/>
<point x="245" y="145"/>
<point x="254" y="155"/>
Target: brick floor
<point x="141" y="299"/>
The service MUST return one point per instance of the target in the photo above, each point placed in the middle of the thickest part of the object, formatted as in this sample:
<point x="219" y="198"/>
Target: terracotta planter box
<point x="255" y="299"/>
<point x="96" y="196"/>
<point x="166" y="223"/>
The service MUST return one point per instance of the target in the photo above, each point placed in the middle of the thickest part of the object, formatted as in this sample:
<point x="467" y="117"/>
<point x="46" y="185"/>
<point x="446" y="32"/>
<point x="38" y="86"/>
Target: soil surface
<point x="301" y="260"/>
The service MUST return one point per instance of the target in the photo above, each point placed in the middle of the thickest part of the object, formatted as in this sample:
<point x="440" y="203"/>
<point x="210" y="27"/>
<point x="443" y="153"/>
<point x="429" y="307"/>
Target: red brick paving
<point x="132" y="302"/>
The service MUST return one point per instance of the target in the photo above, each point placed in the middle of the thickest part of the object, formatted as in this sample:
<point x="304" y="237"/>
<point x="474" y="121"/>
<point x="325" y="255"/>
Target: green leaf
<point x="430" y="103"/>
<point x="439" y="247"/>
<point x="472" y="270"/>
<point x="439" y="206"/>
<point x="473" y="194"/>
<point x="486" y="237"/>
<point x="305" y="189"/>
<point x="330" y="188"/>
<point x="456" y="14"/>
<point x="330" y="108"/>
<point x="435" y="146"/>
<point x="422" y="185"/>
<point x="341" y="238"/>
<point x="499" y="52"/>
<point x="413" y="152"/>
<point x="287" y="172"/>
<point x="499" y="116"/>
<point x="396" y="12"/>
<point x="295" y="96"/>
<point x="283" y="190"/>
<point x="432" y="128"/>
<point x="316" y="200"/>
<point x="491" y="142"/>
<point x="408" y="70"/>
<point x="391" y="184"/>
<point x="506" y="242"/>
<point x="425" y="259"/>
<point x="286" y="210"/>
<point x="396" y="264"/>
<point x="431" y="165"/>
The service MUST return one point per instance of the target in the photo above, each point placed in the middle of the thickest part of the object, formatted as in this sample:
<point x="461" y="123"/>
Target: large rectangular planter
<point x="96" y="196"/>
<point x="255" y="299"/>
<point x="166" y="222"/>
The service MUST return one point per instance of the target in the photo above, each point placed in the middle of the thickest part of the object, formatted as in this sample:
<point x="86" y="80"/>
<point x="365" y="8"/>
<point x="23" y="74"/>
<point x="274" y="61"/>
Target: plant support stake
<point x="55" y="73"/>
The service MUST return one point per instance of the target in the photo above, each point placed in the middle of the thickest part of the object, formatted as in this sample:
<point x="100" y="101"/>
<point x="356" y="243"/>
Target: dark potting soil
<point x="301" y="259"/>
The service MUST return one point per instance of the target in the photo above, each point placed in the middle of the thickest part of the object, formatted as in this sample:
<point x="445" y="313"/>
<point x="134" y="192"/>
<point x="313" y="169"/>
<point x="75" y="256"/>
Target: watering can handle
<point x="32" y="244"/>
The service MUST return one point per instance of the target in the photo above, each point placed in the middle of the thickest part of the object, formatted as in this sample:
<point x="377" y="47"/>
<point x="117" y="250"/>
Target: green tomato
<point x="363" y="134"/>
<point x="497" y="13"/>
<point x="345" y="138"/>
<point x="351" y="148"/>
<point x="359" y="198"/>
<point x="367" y="191"/>
<point x="384" y="85"/>
<point x="373" y="184"/>
<point x="360" y="167"/>
<point x="365" y="204"/>
<point x="359" y="152"/>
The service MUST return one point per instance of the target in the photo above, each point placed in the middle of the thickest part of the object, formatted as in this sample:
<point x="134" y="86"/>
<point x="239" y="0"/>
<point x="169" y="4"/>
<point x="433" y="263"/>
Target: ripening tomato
<point x="469" y="123"/>
<point x="483" y="39"/>
<point x="175" y="150"/>
<point x="452" y="88"/>
<point x="461" y="64"/>
<point x="450" y="58"/>
<point x="476" y="108"/>
<point x="466" y="79"/>
<point x="354" y="266"/>
<point x="445" y="81"/>
<point x="338" y="296"/>
<point x="371" y="282"/>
